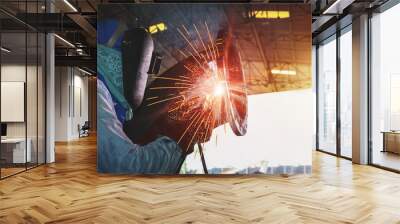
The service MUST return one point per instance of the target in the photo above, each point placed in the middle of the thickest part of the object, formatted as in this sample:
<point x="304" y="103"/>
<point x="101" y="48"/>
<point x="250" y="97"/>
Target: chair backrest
<point x="86" y="124"/>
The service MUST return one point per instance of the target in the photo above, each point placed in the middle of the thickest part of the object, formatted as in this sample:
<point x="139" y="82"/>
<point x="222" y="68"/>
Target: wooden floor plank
<point x="71" y="191"/>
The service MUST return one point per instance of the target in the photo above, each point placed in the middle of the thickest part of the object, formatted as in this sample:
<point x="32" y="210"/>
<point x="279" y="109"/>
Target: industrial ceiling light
<point x="157" y="28"/>
<point x="64" y="40"/>
<point x="70" y="5"/>
<point x="79" y="51"/>
<point x="337" y="7"/>
<point x="269" y="14"/>
<point x="84" y="71"/>
<point x="5" y="50"/>
<point x="283" y="72"/>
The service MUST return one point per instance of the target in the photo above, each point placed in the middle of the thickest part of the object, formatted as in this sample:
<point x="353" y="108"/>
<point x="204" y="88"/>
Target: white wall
<point x="13" y="100"/>
<point x="34" y="125"/>
<point x="280" y="133"/>
<point x="80" y="94"/>
<point x="9" y="73"/>
<point x="71" y="87"/>
<point x="61" y="103"/>
<point x="16" y="73"/>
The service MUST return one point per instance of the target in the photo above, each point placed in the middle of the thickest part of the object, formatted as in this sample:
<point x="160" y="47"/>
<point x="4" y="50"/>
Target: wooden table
<point x="391" y="141"/>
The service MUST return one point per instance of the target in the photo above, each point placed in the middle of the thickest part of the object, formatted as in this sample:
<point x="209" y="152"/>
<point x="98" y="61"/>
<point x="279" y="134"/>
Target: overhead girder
<point x="78" y="61"/>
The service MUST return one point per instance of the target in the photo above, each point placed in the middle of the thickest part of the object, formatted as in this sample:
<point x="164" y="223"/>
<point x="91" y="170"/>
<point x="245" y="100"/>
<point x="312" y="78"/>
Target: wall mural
<point x="196" y="88"/>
